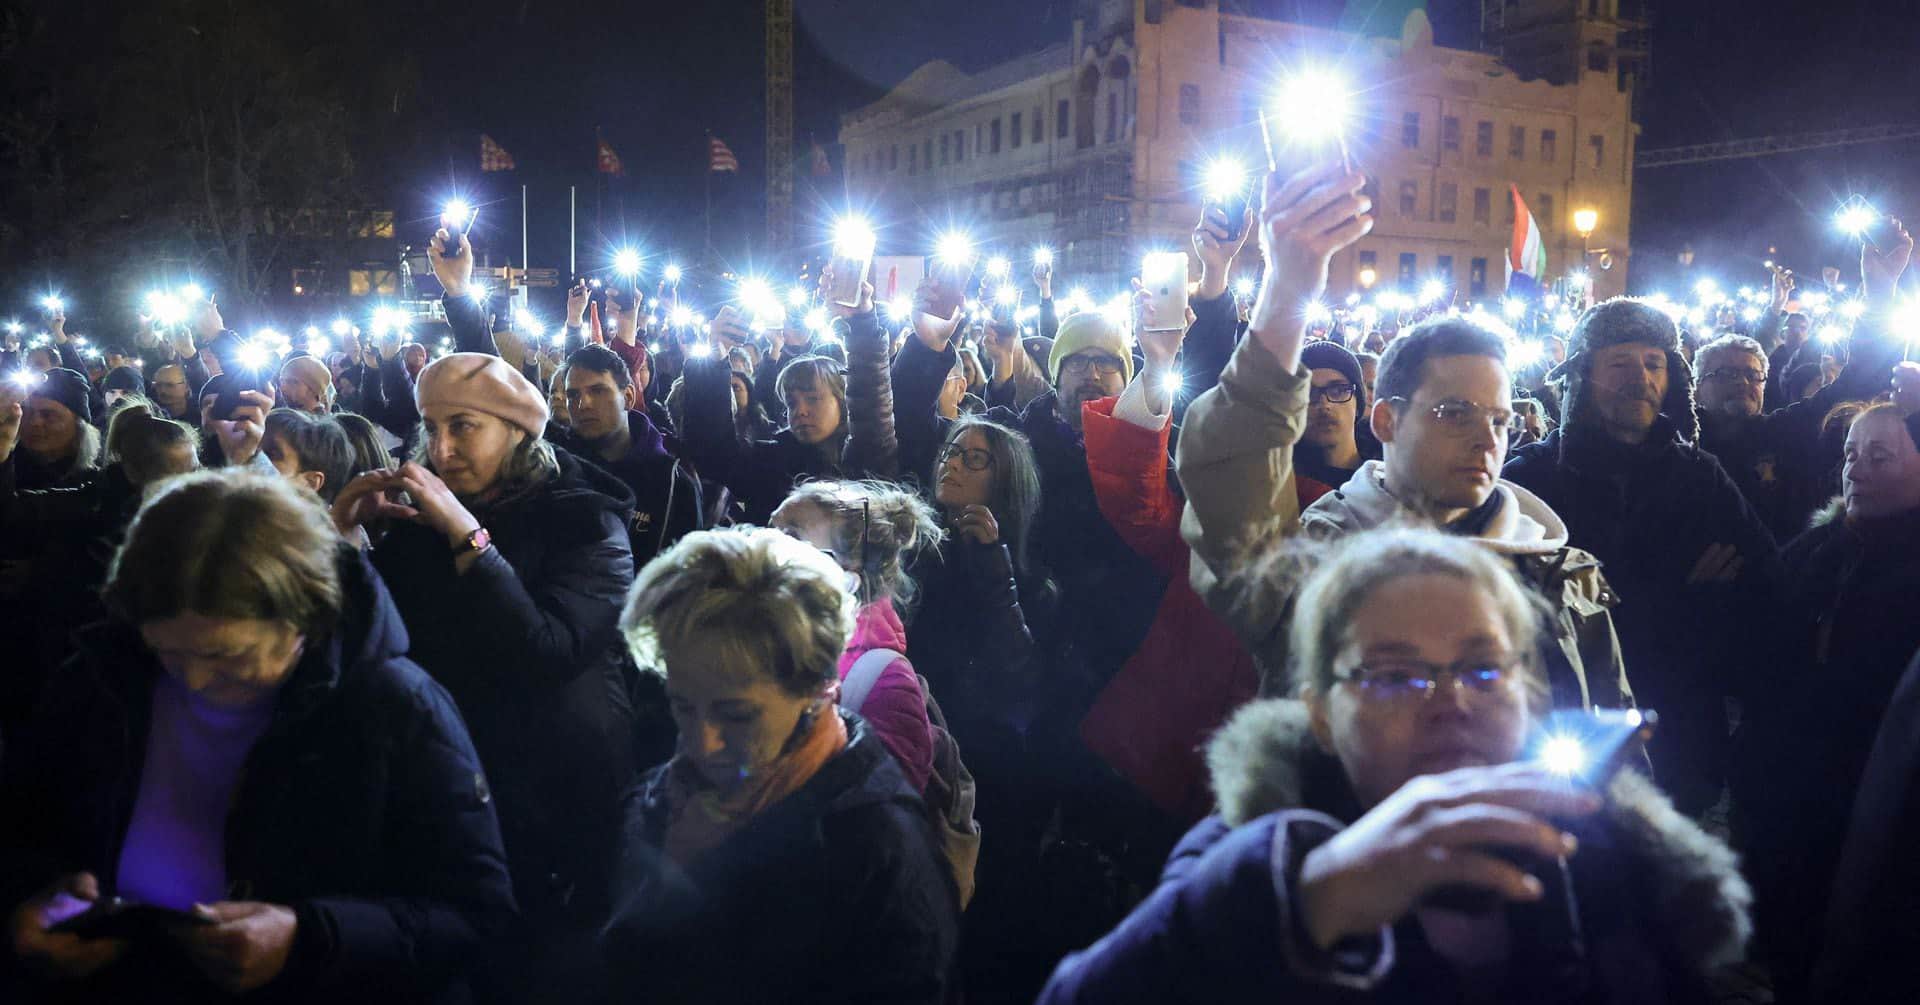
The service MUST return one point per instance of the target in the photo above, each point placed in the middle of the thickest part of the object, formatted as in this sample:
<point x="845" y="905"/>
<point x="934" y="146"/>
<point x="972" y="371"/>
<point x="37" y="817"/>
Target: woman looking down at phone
<point x="244" y="750"/>
<point x="780" y="854"/>
<point x="1388" y="833"/>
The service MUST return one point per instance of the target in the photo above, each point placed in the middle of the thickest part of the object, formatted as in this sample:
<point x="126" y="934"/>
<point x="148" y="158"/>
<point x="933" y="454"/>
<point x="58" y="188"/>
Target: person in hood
<point x="780" y="854"/>
<point x="1843" y="618"/>
<point x="1689" y="556"/>
<point x="1352" y="859"/>
<point x="873" y="529"/>
<point x="606" y="425"/>
<point x="509" y="564"/>
<point x="256" y="750"/>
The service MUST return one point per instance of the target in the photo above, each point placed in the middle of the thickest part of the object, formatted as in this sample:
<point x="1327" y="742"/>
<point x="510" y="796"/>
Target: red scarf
<point x="700" y="816"/>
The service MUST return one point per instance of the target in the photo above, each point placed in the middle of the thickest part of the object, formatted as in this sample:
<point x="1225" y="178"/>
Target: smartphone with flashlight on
<point x="1164" y="276"/>
<point x="1228" y="189"/>
<point x="950" y="268"/>
<point x="853" y="242"/>
<point x="457" y="218"/>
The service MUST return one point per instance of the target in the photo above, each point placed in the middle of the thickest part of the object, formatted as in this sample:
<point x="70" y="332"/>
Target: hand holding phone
<point x="1163" y="275"/>
<point x="116" y="918"/>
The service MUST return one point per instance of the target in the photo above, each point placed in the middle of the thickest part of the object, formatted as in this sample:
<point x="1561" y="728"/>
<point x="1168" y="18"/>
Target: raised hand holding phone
<point x="452" y="259"/>
<point x="1304" y="221"/>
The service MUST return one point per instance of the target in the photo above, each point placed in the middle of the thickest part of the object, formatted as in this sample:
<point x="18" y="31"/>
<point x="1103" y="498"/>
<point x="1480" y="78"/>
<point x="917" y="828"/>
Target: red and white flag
<point x="609" y="161"/>
<point x="719" y="158"/>
<point x="822" y="167"/>
<point x="494" y="157"/>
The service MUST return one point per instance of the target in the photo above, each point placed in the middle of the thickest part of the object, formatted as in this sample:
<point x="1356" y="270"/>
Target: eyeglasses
<point x="972" y="458"/>
<point x="1406" y="682"/>
<point x="1339" y="393"/>
<point x="1458" y="416"/>
<point x="1106" y="366"/>
<point x="1751" y="378"/>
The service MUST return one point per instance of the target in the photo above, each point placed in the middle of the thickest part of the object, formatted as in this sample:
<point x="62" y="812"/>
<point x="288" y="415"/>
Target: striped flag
<point x="719" y="158"/>
<point x="1527" y="255"/>
<point x="609" y="162"/>
<point x="494" y="157"/>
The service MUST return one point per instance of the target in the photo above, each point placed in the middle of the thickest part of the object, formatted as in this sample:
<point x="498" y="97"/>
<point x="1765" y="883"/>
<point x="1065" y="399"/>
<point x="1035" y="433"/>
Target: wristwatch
<point x="476" y="542"/>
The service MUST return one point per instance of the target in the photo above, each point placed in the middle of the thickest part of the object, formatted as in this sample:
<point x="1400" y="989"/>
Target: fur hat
<point x="1620" y="321"/>
<point x="1083" y="330"/>
<point x="485" y="384"/>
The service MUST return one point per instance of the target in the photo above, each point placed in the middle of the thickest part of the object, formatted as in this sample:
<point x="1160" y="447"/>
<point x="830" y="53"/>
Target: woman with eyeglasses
<point x="1385" y="837"/>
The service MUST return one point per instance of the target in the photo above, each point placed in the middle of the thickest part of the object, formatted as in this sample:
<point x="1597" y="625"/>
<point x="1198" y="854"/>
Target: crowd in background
<point x="928" y="655"/>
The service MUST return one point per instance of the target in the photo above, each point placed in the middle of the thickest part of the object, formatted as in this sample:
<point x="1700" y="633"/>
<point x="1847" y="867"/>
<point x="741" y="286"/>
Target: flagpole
<point x="573" y="227"/>
<point x="709" y="191"/>
<point x="524" y="263"/>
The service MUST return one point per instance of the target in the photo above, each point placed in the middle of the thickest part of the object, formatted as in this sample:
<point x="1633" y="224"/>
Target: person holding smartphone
<point x="245" y="764"/>
<point x="1355" y="819"/>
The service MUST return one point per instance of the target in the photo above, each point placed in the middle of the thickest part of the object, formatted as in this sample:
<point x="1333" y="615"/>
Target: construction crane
<point x="1766" y="146"/>
<point x="779" y="126"/>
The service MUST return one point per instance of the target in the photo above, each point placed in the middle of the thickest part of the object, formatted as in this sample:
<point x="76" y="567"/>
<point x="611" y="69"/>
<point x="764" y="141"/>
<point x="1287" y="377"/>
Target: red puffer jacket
<point x="1190" y="672"/>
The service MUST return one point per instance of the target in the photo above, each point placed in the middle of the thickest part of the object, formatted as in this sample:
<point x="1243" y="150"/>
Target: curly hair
<point x="877" y="526"/>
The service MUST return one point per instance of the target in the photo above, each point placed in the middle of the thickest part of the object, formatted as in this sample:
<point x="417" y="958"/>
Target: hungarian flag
<point x="1527" y="256"/>
<point x="719" y="158"/>
<point x="609" y="161"/>
<point x="493" y="157"/>
<point x="822" y="168"/>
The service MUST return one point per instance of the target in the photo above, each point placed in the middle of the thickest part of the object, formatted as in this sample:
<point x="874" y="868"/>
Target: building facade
<point x="1096" y="148"/>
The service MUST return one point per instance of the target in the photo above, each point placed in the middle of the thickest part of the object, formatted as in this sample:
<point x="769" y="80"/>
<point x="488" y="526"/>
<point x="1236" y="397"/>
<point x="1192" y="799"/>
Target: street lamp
<point x="1584" y="220"/>
<point x="1368" y="277"/>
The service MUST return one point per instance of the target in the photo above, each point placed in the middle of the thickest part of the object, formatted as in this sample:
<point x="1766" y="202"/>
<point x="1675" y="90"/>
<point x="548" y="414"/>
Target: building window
<point x="1482" y="206"/>
<point x="1190" y="104"/>
<point x="1517" y="143"/>
<point x="1409" y="266"/>
<point x="1483" y="139"/>
<point x="979" y="138"/>
<point x="893" y="157"/>
<point x="926" y="153"/>
<point x="1113" y="116"/>
<point x="1450" y="133"/>
<point x="1546" y="217"/>
<point x="1409" y="198"/>
<point x="1598" y="144"/>
<point x="1449" y="201"/>
<point x="1062" y="119"/>
<point x="913" y="158"/>
<point x="1019" y="133"/>
<point x="1597" y="59"/>
<point x="1549" y="146"/>
<point x="306" y="282"/>
<point x="373" y="282"/>
<point x="959" y="145"/>
<point x="945" y="140"/>
<point x="1443" y="267"/>
<point x="1477" y="279"/>
<point x="993" y="137"/>
<point x="1410" y="130"/>
<point x="1370" y="262"/>
<point x="1039" y="125"/>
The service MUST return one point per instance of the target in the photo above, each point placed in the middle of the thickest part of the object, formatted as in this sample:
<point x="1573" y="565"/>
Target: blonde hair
<point x="228" y="544"/>
<point x="1334" y="590"/>
<point x="755" y="596"/>
<point x="877" y="525"/>
<point x="139" y="440"/>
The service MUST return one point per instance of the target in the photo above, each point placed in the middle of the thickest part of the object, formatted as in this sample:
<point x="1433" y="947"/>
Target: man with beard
<point x="1329" y="451"/>
<point x="1690" y="558"/>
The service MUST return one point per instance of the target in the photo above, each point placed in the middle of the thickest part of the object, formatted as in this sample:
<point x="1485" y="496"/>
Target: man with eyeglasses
<point x="1774" y="455"/>
<point x="1329" y="451"/>
<point x="1443" y="404"/>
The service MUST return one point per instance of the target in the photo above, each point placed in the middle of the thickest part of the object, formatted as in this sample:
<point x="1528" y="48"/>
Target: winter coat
<point x="1776" y="459"/>
<point x="836" y="893"/>
<point x="977" y="634"/>
<point x="1190" y="672"/>
<point x="363" y="807"/>
<point x="895" y="707"/>
<point x="1648" y="513"/>
<point x="1660" y="903"/>
<point x="1107" y="592"/>
<point x="1843" y="634"/>
<point x="759" y="473"/>
<point x="1870" y="941"/>
<point x="1581" y="653"/>
<point x="528" y="642"/>
<point x="667" y="499"/>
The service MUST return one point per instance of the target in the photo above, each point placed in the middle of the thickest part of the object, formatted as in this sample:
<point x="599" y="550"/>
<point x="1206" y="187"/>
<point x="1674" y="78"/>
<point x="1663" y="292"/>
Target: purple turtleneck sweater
<point x="175" y="851"/>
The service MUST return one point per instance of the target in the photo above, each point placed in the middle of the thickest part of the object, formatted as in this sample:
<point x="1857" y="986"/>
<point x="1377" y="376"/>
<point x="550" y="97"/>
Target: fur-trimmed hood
<point x="1266" y="759"/>
<point x="1525" y="525"/>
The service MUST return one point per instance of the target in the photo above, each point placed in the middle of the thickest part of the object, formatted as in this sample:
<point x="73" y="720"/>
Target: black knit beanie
<point x="68" y="388"/>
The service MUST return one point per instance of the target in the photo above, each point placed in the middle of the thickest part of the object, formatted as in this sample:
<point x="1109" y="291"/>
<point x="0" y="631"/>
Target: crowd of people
<point x="925" y="658"/>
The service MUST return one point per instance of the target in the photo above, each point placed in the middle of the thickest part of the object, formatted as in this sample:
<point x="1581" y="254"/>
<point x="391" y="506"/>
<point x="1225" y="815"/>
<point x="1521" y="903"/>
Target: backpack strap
<point x="863" y="675"/>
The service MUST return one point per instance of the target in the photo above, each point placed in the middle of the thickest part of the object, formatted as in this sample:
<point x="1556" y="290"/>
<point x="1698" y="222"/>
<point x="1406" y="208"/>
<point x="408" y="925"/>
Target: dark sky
<point x="655" y="76"/>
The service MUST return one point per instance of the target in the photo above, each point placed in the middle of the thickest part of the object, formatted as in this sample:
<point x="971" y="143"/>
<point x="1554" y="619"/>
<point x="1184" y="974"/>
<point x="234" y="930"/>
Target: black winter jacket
<point x="363" y="807"/>
<point x="528" y="643"/>
<point x="667" y="501"/>
<point x="760" y="473"/>
<point x="837" y="893"/>
<point x="1648" y="513"/>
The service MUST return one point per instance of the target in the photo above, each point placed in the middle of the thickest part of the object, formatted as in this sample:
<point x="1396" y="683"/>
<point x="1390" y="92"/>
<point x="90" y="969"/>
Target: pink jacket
<point x="895" y="707"/>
